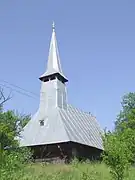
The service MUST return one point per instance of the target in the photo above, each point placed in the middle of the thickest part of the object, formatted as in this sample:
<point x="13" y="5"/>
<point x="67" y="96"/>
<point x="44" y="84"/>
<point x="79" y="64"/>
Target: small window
<point x="46" y="79"/>
<point x="52" y="78"/>
<point x="41" y="122"/>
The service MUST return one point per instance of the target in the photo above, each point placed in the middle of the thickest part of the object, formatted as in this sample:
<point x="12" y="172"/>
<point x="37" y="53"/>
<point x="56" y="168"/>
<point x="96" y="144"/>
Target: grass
<point x="74" y="171"/>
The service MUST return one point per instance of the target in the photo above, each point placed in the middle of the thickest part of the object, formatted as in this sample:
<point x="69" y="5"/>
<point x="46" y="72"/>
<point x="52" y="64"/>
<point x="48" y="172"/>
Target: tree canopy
<point x="119" y="144"/>
<point x="128" y="106"/>
<point x="11" y="124"/>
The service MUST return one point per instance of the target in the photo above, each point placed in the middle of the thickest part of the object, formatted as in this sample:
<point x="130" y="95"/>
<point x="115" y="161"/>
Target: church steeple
<point x="53" y="88"/>
<point x="53" y="64"/>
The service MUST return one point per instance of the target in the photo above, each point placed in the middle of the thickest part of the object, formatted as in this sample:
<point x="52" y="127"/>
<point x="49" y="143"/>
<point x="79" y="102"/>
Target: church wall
<point x="48" y="94"/>
<point x="68" y="151"/>
<point x="83" y="152"/>
<point x="61" y="95"/>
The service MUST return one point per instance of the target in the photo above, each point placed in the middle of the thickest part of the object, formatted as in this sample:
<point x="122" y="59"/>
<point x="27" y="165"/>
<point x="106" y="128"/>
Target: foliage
<point x="118" y="154"/>
<point x="119" y="145"/>
<point x="83" y="171"/>
<point x="128" y="131"/>
<point x="12" y="158"/>
<point x="23" y="120"/>
<point x="13" y="163"/>
<point x="125" y="123"/>
<point x="128" y="104"/>
<point x="10" y="127"/>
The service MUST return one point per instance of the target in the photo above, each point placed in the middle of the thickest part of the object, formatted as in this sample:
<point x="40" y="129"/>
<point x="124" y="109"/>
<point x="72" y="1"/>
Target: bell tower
<point x="53" y="82"/>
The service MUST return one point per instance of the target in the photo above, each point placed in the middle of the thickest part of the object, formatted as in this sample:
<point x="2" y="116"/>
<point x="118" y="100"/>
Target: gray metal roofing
<point x="62" y="125"/>
<point x="53" y="64"/>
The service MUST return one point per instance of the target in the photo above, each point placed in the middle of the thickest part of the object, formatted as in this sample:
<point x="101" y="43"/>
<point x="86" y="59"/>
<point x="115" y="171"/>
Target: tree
<point x="128" y="104"/>
<point x="23" y="120"/>
<point x="119" y="145"/>
<point x="12" y="158"/>
<point x="8" y="129"/>
<point x="126" y="120"/>
<point x="128" y="130"/>
<point x="117" y="154"/>
<point x="3" y="98"/>
<point x="11" y="124"/>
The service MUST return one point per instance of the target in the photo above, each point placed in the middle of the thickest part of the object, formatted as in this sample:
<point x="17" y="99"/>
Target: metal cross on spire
<point x="53" y="26"/>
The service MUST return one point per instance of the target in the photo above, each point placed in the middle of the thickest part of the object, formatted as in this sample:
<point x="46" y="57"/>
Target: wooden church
<point x="59" y="130"/>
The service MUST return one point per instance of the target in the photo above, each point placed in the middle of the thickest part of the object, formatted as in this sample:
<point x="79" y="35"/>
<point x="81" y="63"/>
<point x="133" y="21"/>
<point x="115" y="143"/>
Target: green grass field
<point x="79" y="171"/>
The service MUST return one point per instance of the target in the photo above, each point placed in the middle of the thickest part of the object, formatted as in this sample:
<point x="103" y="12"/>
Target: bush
<point x="117" y="155"/>
<point x="13" y="163"/>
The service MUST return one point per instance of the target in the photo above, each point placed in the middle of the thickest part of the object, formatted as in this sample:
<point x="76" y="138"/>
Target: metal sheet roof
<point x="62" y="126"/>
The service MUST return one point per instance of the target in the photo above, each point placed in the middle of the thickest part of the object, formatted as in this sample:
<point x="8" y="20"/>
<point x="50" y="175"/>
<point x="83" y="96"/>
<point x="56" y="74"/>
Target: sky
<point x="96" y="41"/>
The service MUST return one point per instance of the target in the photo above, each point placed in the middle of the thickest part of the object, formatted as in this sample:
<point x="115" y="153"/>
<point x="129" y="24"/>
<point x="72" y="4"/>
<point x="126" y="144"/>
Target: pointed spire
<point x="53" y="64"/>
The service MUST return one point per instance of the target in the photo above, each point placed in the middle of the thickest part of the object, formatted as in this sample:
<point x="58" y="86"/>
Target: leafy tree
<point x="10" y="127"/>
<point x="126" y="120"/>
<point x="11" y="124"/>
<point x="23" y="120"/>
<point x="12" y="158"/>
<point x="119" y="145"/>
<point x="128" y="131"/>
<point x="117" y="155"/>
<point x="128" y="104"/>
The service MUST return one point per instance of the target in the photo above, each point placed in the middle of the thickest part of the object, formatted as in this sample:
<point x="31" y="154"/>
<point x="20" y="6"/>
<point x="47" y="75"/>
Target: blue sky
<point x="97" y="48"/>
